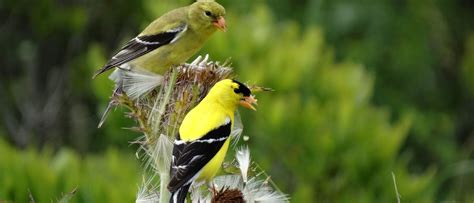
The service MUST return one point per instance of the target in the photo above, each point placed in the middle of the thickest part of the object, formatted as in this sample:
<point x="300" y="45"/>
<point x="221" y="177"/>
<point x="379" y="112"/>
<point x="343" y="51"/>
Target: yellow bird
<point x="203" y="139"/>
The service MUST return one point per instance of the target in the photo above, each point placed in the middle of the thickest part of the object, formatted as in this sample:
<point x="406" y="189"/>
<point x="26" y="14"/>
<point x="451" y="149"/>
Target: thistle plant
<point x="158" y="115"/>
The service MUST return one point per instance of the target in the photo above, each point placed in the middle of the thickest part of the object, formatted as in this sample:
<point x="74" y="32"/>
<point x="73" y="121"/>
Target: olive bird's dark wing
<point x="141" y="45"/>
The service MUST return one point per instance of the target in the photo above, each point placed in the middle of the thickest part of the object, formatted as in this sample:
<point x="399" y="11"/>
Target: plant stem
<point x="164" y="193"/>
<point x="396" y="189"/>
<point x="165" y="177"/>
<point x="165" y="101"/>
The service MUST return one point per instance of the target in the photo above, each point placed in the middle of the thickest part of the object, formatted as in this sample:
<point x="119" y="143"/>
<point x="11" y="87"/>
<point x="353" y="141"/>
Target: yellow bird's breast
<point x="199" y="121"/>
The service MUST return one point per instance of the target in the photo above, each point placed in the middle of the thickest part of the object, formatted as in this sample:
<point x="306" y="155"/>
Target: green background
<point x="363" y="89"/>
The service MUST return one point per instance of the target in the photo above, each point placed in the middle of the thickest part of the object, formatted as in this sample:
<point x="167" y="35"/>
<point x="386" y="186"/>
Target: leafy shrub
<point x="109" y="177"/>
<point x="318" y="133"/>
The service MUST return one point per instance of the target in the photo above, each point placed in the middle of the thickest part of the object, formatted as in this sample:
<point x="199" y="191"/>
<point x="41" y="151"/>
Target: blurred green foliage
<point x="109" y="177"/>
<point x="363" y="89"/>
<point x="318" y="134"/>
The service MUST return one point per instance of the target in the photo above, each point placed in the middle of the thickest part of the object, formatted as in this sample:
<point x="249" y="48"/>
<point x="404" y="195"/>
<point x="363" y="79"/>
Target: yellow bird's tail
<point x="179" y="196"/>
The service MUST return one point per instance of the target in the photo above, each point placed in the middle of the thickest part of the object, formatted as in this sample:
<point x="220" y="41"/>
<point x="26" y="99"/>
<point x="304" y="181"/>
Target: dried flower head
<point x="226" y="195"/>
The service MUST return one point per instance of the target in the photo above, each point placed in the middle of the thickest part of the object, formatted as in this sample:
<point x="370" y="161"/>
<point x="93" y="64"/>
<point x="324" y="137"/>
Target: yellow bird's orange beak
<point x="220" y="24"/>
<point x="248" y="101"/>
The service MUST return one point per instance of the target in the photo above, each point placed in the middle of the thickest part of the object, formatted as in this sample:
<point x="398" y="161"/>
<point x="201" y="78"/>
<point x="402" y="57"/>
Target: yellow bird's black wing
<point x="190" y="157"/>
<point x="141" y="45"/>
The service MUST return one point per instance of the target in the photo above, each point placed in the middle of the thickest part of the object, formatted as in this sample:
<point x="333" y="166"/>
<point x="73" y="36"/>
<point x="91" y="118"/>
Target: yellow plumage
<point x="204" y="136"/>
<point x="219" y="104"/>
<point x="216" y="107"/>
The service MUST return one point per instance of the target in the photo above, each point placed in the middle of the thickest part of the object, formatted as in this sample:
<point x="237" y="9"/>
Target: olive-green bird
<point x="168" y="41"/>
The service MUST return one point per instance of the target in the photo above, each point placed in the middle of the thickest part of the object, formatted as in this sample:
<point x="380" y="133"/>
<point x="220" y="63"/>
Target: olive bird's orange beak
<point x="248" y="101"/>
<point x="220" y="24"/>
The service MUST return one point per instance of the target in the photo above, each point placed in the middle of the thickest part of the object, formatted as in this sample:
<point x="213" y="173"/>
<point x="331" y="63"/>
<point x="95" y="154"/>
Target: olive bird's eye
<point x="208" y="13"/>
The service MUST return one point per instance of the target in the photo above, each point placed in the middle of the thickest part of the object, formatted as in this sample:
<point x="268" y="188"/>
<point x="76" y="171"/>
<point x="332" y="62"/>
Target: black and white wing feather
<point x="141" y="45"/>
<point x="190" y="157"/>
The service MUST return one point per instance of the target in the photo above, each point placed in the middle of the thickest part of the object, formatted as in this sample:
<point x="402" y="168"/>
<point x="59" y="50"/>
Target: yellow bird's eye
<point x="208" y="13"/>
